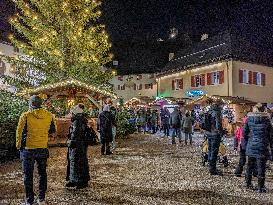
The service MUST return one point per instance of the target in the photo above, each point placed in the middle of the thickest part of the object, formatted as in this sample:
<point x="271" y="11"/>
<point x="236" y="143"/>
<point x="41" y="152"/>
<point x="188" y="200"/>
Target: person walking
<point x="187" y="127"/>
<point x="175" y="122"/>
<point x="32" y="139"/>
<point x="105" y="124"/>
<point x="77" y="166"/>
<point x="212" y="124"/>
<point x="165" y="121"/>
<point x="257" y="131"/>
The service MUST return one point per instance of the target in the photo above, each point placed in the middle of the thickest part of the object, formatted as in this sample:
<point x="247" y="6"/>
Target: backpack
<point x="91" y="136"/>
<point x="206" y="122"/>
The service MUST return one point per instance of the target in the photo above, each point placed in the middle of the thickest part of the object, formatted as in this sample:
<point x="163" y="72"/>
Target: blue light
<point x="195" y="93"/>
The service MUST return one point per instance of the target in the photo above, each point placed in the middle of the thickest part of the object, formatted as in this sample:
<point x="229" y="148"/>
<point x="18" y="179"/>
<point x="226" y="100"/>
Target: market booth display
<point x="234" y="109"/>
<point x="61" y="96"/>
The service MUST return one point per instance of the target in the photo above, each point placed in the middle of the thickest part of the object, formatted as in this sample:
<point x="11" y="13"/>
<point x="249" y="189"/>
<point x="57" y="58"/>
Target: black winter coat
<point x="77" y="168"/>
<point x="105" y="123"/>
<point x="257" y="132"/>
<point x="216" y="122"/>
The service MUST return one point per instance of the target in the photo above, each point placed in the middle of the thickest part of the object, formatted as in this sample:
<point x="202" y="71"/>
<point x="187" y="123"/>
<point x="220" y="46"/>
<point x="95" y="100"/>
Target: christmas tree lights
<point x="64" y="38"/>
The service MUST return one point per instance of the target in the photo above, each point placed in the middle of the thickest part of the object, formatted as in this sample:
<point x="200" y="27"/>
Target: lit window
<point x="216" y="78"/>
<point x="178" y="84"/>
<point x="198" y="80"/>
<point x="259" y="78"/>
<point x="245" y="76"/>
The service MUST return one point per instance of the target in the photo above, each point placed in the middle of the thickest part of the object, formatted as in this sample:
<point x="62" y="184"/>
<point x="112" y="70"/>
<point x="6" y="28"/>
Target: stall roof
<point x="65" y="87"/>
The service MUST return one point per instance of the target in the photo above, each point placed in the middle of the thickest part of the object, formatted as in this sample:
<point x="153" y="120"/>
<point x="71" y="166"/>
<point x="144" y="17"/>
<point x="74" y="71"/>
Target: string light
<point x="67" y="83"/>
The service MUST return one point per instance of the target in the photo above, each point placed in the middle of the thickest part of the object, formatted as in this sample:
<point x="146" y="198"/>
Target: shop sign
<point x="195" y="93"/>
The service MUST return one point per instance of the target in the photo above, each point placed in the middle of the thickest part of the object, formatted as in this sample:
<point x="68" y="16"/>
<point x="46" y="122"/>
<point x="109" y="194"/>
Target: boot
<point x="248" y="183"/>
<point x="261" y="187"/>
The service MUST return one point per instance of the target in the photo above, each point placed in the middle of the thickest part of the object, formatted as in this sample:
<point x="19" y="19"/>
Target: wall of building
<point x="223" y="89"/>
<point x="256" y="93"/>
<point x="134" y="90"/>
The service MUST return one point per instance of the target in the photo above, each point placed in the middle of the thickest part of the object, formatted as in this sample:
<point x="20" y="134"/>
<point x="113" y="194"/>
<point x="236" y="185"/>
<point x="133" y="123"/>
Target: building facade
<point x="130" y="86"/>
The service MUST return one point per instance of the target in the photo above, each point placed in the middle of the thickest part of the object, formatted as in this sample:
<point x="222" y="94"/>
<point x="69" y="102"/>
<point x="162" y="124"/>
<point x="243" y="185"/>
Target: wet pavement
<point x="145" y="169"/>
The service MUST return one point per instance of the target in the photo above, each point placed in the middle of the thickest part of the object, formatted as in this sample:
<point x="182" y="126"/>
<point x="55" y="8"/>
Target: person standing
<point x="187" y="127"/>
<point x="113" y="111"/>
<point x="165" y="121"/>
<point x="175" y="123"/>
<point x="32" y="139"/>
<point x="77" y="168"/>
<point x="106" y="122"/>
<point x="154" y="121"/>
<point x="257" y="131"/>
<point x="212" y="124"/>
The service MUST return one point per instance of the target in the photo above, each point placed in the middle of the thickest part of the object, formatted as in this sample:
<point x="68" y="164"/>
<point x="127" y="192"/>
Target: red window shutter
<point x="134" y="86"/>
<point x="147" y="86"/>
<point x="250" y="75"/>
<point x="140" y="86"/>
<point x="173" y="84"/>
<point x="193" y="81"/>
<point x="151" y="86"/>
<point x="118" y="87"/>
<point x="203" y="81"/>
<point x="181" y="83"/>
<point x="263" y="79"/>
<point x="209" y="78"/>
<point x="254" y="78"/>
<point x="222" y="77"/>
<point x="240" y="76"/>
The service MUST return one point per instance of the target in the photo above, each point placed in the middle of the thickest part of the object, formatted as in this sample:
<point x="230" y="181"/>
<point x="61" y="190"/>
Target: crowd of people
<point x="254" y="140"/>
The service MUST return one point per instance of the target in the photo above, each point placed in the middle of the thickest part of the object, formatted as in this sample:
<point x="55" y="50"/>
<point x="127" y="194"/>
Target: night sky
<point x="135" y="25"/>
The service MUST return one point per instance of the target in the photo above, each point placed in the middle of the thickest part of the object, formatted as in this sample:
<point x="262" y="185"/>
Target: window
<point x="139" y="86"/>
<point x="120" y="78"/>
<point x="139" y="77"/>
<point x="245" y="76"/>
<point x="16" y="49"/>
<point x="122" y="87"/>
<point x="215" y="78"/>
<point x="198" y="80"/>
<point x="149" y="86"/>
<point x="2" y="67"/>
<point x="259" y="79"/>
<point x="177" y="84"/>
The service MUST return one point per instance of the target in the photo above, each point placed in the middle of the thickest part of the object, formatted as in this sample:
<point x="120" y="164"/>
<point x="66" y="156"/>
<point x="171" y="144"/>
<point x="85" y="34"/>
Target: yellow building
<point x="222" y="65"/>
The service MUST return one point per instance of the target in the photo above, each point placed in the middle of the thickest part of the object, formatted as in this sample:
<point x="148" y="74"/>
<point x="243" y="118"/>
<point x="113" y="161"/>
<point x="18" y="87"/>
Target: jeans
<point x="188" y="135"/>
<point x="214" y="143"/>
<point x="242" y="162"/>
<point x="260" y="164"/>
<point x="114" y="132"/>
<point x="176" y="132"/>
<point x="28" y="158"/>
<point x="166" y="128"/>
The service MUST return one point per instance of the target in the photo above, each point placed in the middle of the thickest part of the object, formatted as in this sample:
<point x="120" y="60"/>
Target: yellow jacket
<point x="36" y="124"/>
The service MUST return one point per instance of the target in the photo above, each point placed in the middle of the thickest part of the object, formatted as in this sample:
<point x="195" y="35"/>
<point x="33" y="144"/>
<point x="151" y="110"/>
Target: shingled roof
<point x="216" y="49"/>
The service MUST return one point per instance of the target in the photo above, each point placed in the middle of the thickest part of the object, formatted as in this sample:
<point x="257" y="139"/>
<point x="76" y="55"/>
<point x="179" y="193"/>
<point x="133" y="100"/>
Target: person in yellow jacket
<point x="32" y="140"/>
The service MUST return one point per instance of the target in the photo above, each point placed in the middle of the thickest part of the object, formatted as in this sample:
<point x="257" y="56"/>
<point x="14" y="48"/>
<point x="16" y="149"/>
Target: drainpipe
<point x="227" y="77"/>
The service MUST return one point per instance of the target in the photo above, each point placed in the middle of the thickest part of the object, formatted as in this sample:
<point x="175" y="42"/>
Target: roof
<point x="65" y="87"/>
<point x="218" y="48"/>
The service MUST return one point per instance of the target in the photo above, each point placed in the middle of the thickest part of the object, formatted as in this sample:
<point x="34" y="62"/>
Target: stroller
<point x="222" y="157"/>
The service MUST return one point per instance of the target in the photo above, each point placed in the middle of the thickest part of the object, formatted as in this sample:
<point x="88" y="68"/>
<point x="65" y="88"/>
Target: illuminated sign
<point x="195" y="93"/>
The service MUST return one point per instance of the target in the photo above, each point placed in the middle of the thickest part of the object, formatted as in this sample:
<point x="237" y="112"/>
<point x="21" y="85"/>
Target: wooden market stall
<point x="234" y="109"/>
<point x="70" y="90"/>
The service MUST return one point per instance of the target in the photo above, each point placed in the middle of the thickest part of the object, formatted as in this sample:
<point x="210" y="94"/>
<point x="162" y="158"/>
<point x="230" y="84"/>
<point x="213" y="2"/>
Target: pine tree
<point x="61" y="40"/>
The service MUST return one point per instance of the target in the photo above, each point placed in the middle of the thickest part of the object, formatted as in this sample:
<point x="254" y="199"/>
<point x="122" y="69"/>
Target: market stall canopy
<point x="160" y="101"/>
<point x="67" y="88"/>
<point x="224" y="99"/>
<point x="142" y="100"/>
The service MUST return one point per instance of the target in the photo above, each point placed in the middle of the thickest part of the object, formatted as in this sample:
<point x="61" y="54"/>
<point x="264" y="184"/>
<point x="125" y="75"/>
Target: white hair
<point x="106" y="108"/>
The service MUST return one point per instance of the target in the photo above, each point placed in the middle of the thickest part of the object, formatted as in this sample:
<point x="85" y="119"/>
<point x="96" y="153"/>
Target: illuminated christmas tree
<point x="61" y="40"/>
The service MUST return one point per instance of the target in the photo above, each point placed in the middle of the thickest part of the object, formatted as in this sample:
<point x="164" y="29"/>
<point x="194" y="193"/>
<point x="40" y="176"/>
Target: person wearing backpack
<point x="77" y="166"/>
<point x="32" y="139"/>
<point x="187" y="127"/>
<point x="212" y="124"/>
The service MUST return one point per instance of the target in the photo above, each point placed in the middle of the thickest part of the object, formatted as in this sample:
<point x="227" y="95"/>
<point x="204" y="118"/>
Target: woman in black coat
<point x="257" y="132"/>
<point x="77" y="169"/>
<point x="105" y="123"/>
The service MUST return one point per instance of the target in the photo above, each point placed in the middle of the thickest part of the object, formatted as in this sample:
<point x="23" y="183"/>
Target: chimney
<point x="204" y="36"/>
<point x="171" y="56"/>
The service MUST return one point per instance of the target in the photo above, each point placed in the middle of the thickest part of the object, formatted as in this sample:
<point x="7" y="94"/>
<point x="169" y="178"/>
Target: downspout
<point x="227" y="78"/>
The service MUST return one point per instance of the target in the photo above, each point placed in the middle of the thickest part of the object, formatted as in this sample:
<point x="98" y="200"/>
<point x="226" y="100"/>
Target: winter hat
<point x="35" y="102"/>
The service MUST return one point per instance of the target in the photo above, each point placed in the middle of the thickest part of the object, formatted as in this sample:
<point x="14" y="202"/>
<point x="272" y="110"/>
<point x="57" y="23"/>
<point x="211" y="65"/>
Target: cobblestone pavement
<point x="145" y="169"/>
